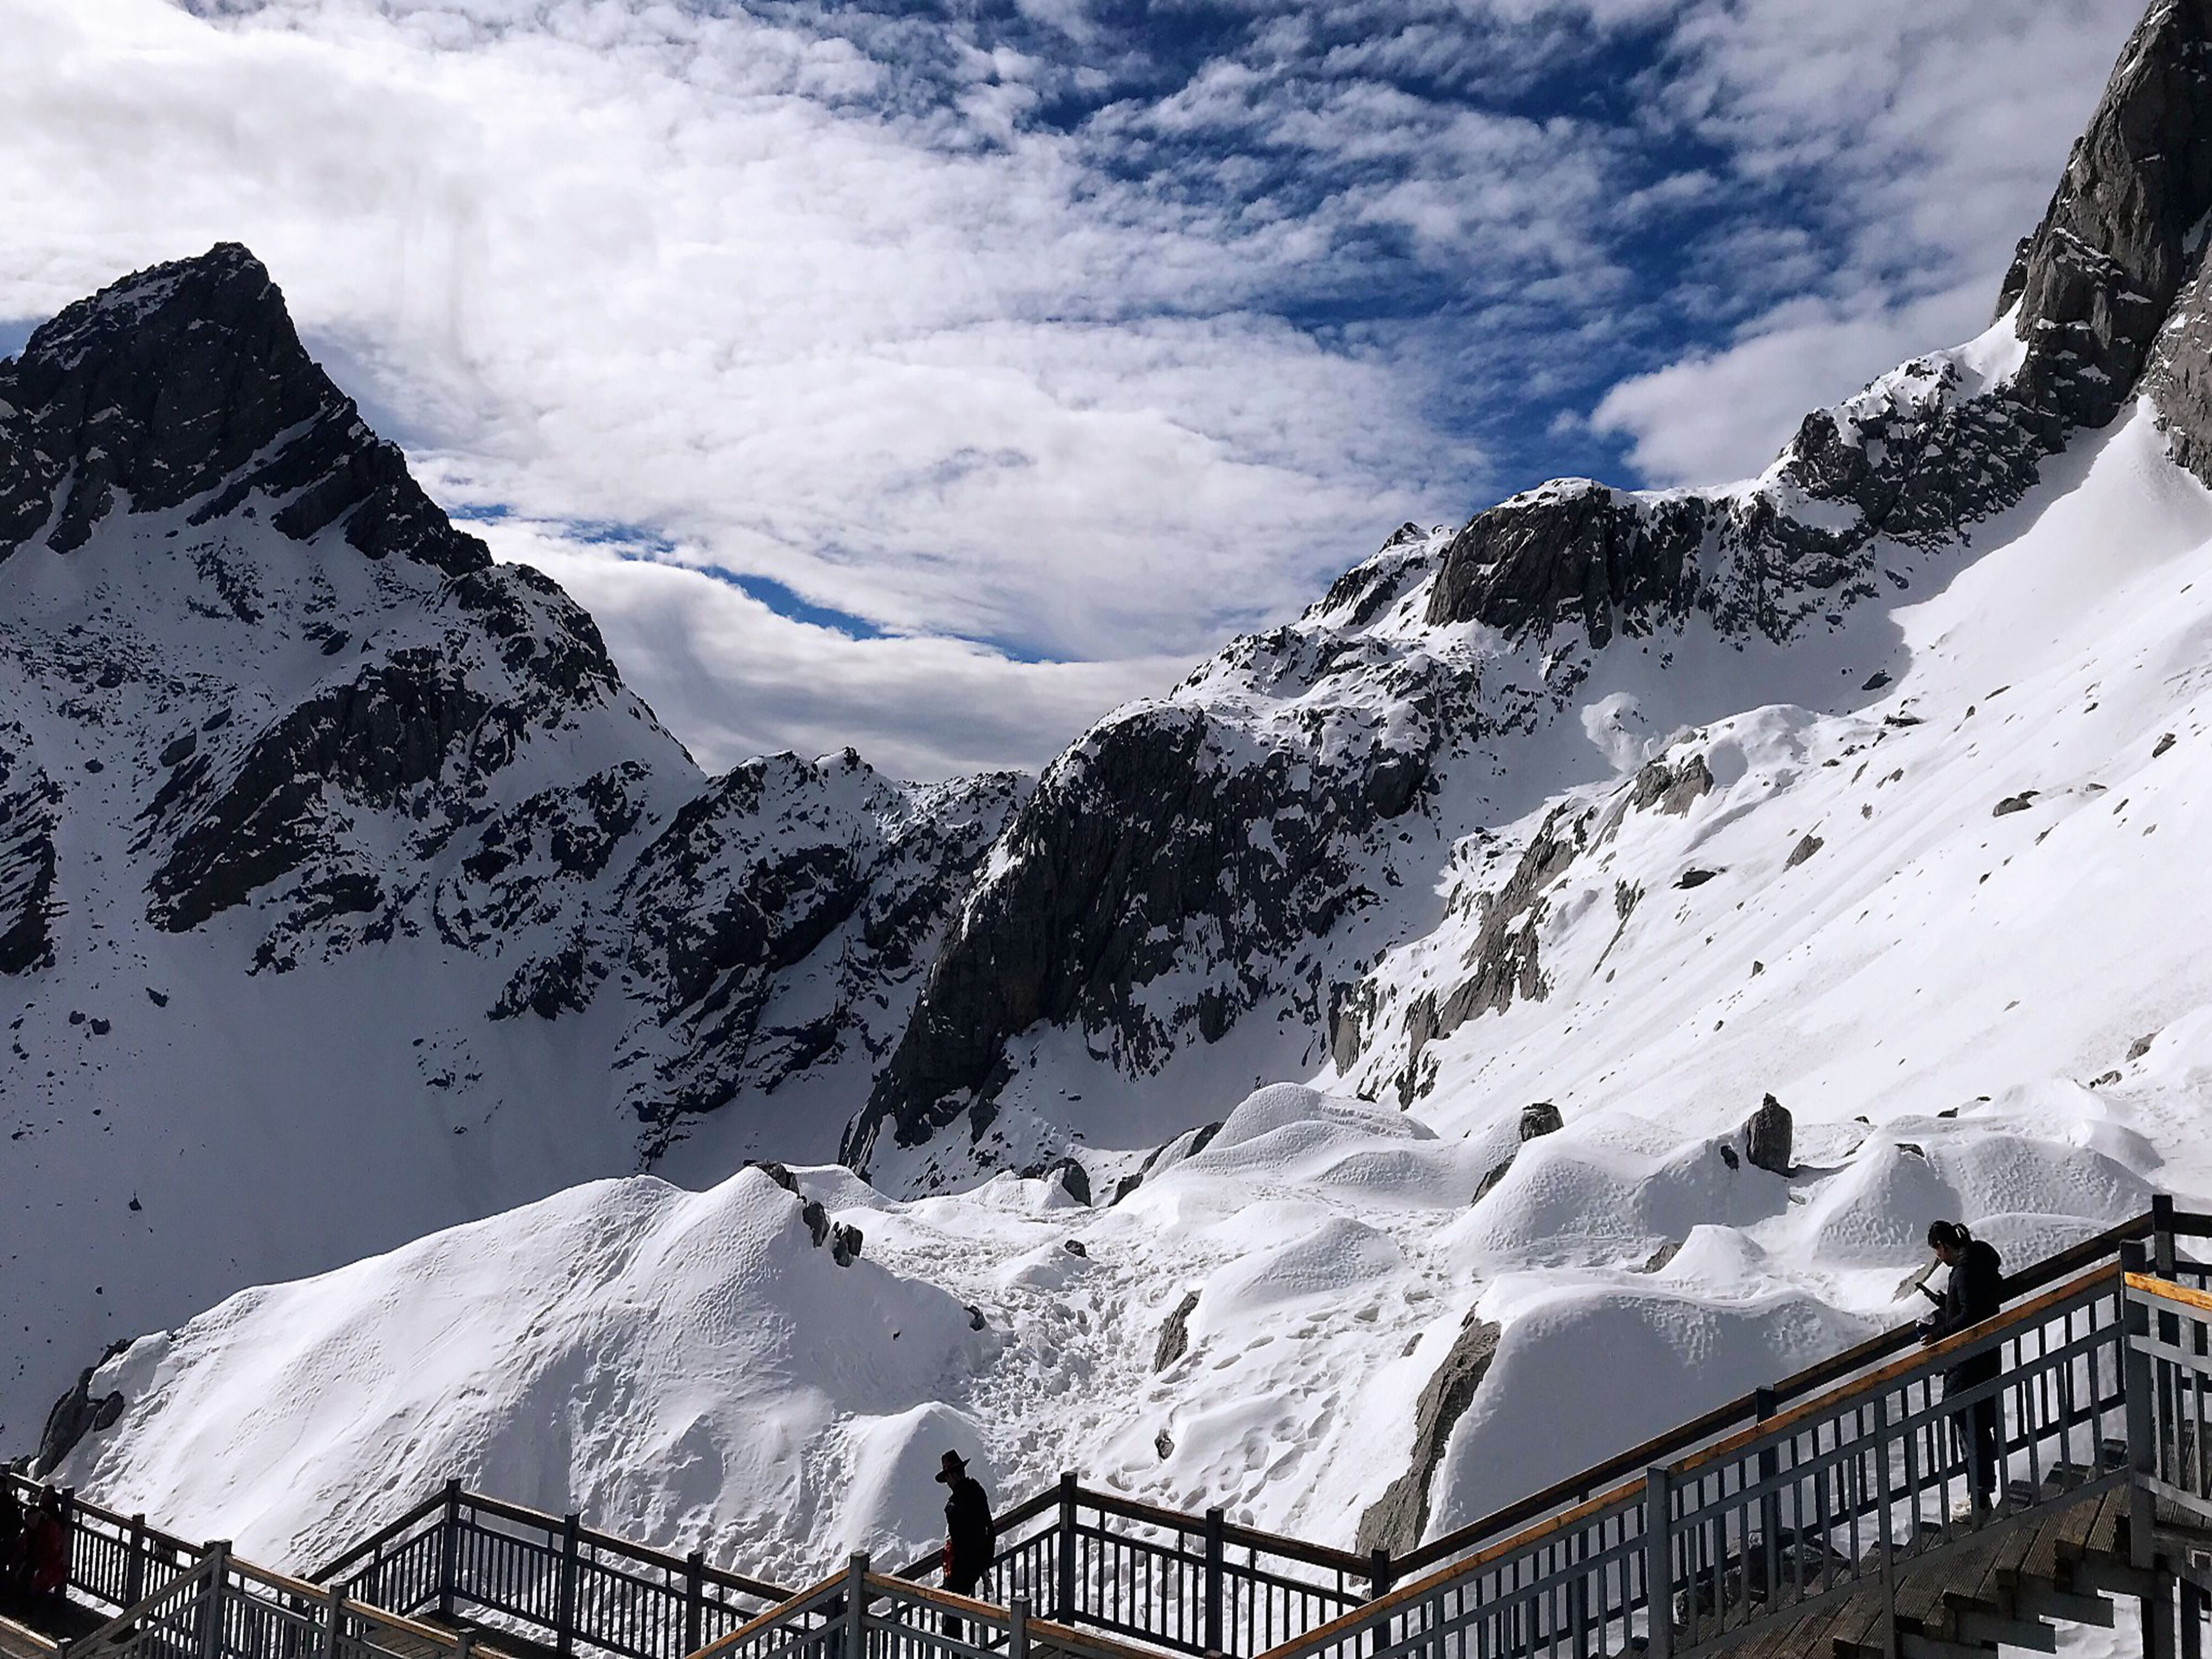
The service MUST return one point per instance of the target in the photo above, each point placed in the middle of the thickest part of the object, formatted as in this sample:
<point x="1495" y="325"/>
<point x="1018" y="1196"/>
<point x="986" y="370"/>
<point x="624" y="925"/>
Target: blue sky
<point x="956" y="371"/>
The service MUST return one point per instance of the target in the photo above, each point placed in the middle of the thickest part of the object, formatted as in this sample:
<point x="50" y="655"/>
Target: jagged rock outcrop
<point x="187" y="384"/>
<point x="2096" y="280"/>
<point x="1229" y="839"/>
<point x="1396" y="1520"/>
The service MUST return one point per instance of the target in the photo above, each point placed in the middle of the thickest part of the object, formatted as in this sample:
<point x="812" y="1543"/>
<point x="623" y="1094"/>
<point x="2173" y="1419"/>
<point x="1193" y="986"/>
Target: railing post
<point x="69" y="1538"/>
<point x="464" y="1644"/>
<point x="564" y="1614"/>
<point x="333" y="1621"/>
<point x="694" y="1602"/>
<point x="1210" y="1638"/>
<point x="1658" y="1564"/>
<point x="856" y="1605"/>
<point x="218" y="1586"/>
<point x="1764" y="1406"/>
<point x="2136" y="1386"/>
<point x="449" y="1550"/>
<point x="1378" y="1573"/>
<point x="2161" y="1233"/>
<point x="1065" y="1591"/>
<point x="134" y="1569"/>
<point x="1017" y="1633"/>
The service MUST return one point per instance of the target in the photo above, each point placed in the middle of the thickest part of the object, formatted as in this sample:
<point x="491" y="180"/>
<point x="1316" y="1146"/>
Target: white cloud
<point x="733" y="679"/>
<point x="820" y="296"/>
<point x="1723" y="416"/>
<point x="1938" y="128"/>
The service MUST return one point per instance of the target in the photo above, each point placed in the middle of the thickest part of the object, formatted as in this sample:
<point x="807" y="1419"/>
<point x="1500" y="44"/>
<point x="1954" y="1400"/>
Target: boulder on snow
<point x="1804" y="849"/>
<point x="777" y="1173"/>
<point x="1768" y="1134"/>
<point x="1072" y="1177"/>
<point x="1541" y="1118"/>
<point x="1175" y="1334"/>
<point x="817" y="1219"/>
<point x="844" y="1243"/>
<point x="76" y="1414"/>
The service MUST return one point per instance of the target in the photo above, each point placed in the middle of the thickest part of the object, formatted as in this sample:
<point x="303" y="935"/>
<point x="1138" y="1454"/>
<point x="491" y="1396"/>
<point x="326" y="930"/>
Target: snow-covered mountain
<point x="346" y="891"/>
<point x="1527" y="865"/>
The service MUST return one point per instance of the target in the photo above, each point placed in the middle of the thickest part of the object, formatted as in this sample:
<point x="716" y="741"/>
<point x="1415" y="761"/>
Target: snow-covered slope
<point x="345" y="890"/>
<point x="1537" y="856"/>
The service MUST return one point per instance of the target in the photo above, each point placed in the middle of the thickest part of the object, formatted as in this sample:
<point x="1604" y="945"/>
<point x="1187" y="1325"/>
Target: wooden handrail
<point x="2166" y="1290"/>
<point x="826" y="1590"/>
<point x="1934" y="1354"/>
<point x="24" y="1636"/>
<point x="1825" y="1403"/>
<point x="383" y="1535"/>
<point x="1687" y="1435"/>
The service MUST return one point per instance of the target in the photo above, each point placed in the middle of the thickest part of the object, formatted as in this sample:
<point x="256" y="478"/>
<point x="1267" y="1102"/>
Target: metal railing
<point x="1834" y="1495"/>
<point x="1188" y="1583"/>
<point x="2172" y="1346"/>
<point x="461" y="1555"/>
<point x="1816" y="1487"/>
<point x="172" y="1599"/>
<point x="863" y="1614"/>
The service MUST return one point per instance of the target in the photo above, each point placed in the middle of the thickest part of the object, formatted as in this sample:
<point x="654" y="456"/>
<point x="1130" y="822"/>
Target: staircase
<point x="1827" y="1517"/>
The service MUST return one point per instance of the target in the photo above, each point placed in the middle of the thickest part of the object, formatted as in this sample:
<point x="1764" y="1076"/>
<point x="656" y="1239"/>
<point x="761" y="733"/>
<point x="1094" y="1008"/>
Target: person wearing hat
<point x="968" y="1533"/>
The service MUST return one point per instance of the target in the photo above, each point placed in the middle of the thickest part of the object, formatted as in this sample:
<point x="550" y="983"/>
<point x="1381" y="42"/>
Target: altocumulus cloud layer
<point x="930" y="379"/>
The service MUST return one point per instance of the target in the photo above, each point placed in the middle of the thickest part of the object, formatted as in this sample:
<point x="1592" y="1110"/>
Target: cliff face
<point x="347" y="890"/>
<point x="1227" y="851"/>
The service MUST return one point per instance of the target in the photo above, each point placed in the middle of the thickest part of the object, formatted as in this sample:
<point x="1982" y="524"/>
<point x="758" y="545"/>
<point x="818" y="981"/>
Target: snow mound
<point x="687" y="1367"/>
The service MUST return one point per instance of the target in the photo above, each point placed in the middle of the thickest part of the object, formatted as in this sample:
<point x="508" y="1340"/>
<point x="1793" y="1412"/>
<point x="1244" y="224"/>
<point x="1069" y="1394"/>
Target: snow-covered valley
<point x="1393" y="998"/>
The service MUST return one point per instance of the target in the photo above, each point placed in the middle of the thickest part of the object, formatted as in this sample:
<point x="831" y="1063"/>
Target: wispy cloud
<point x="1051" y="343"/>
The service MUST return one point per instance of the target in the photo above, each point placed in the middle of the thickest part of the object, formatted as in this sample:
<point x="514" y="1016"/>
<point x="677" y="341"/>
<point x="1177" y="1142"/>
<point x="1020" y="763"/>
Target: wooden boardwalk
<point x="2060" y="1565"/>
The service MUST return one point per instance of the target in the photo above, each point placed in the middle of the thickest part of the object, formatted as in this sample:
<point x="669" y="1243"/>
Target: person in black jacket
<point x="1972" y="1294"/>
<point x="968" y="1533"/>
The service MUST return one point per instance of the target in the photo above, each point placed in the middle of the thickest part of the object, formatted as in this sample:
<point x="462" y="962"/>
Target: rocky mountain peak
<point x="2098" y="276"/>
<point x="186" y="385"/>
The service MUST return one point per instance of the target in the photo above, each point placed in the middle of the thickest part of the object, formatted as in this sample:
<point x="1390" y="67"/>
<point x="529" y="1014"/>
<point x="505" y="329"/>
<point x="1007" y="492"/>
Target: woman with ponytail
<point x="1973" y="1293"/>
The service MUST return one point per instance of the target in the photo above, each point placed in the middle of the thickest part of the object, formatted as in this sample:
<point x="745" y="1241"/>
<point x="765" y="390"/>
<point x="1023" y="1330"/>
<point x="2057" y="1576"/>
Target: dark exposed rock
<point x="1076" y="1247"/>
<point x="1671" y="789"/>
<point x="1690" y="878"/>
<point x="780" y="1174"/>
<point x="1503" y="956"/>
<point x="76" y="1414"/>
<point x="1163" y="1444"/>
<point x="1540" y="1119"/>
<point x="845" y="1241"/>
<point x="2141" y="1047"/>
<point x="1768" y="1137"/>
<point x="2165" y="743"/>
<point x="1396" y="1520"/>
<point x="1495" y="1173"/>
<point x="1136" y="837"/>
<point x="2012" y="803"/>
<point x="30" y="804"/>
<point x="776" y="860"/>
<point x="1804" y="849"/>
<point x="1660" y="1257"/>
<point x="1070" y="1174"/>
<point x="975" y="1320"/>
<point x="1729" y="1156"/>
<point x="187" y="381"/>
<point x="817" y="1219"/>
<point x="2095" y="280"/>
<point x="1174" y="1333"/>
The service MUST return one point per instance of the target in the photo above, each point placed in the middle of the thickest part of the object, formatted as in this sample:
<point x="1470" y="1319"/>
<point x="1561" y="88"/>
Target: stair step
<point x="1913" y="1644"/>
<point x="2040" y="1600"/>
<point x="2109" y="1577"/>
<point x="1987" y="1625"/>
